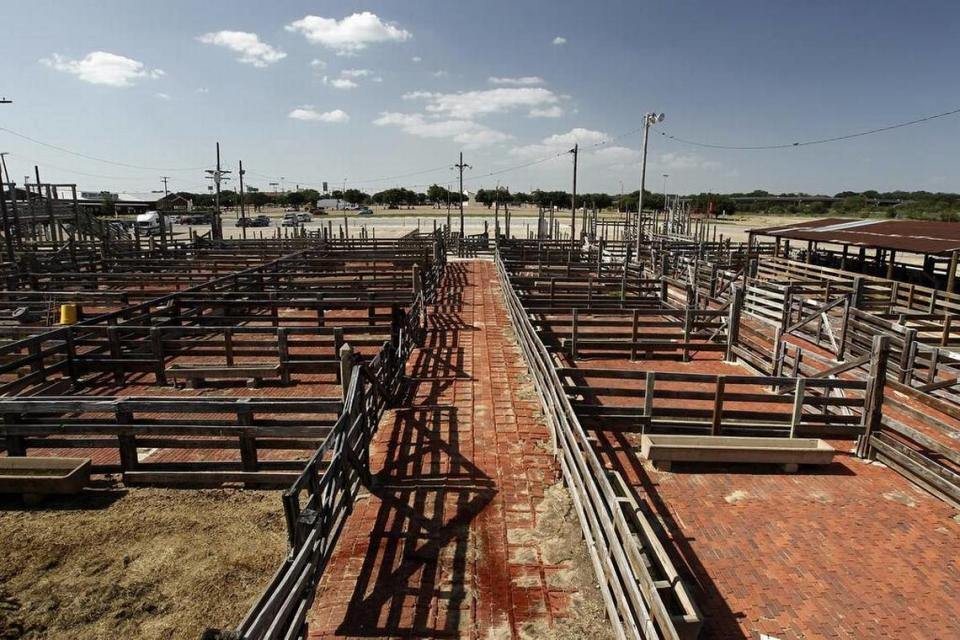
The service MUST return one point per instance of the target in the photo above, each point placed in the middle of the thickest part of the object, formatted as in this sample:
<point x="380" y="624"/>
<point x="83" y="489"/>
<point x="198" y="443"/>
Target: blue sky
<point x="338" y="90"/>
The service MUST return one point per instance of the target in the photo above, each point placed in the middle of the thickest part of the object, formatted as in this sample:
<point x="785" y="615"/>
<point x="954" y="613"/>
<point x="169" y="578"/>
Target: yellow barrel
<point x="68" y="313"/>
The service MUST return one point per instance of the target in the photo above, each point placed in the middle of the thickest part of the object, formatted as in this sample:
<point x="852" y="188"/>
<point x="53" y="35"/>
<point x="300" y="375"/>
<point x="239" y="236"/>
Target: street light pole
<point x="665" y="176"/>
<point x="648" y="119"/>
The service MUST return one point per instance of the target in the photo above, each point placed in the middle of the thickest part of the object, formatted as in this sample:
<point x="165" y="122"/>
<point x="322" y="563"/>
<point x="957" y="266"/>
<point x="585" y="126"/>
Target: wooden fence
<point x="638" y="605"/>
<point x="320" y="499"/>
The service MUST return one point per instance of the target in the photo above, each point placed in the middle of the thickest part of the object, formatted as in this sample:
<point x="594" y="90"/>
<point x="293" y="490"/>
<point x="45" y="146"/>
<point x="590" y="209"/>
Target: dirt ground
<point x="136" y="563"/>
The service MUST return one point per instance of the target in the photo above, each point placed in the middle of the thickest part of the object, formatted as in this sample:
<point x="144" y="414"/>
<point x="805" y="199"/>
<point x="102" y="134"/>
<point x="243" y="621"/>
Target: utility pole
<point x="648" y="119"/>
<point x="665" y="176"/>
<point x="217" y="175"/>
<point x="461" y="166"/>
<point x="165" y="192"/>
<point x="573" y="199"/>
<point x="243" y="210"/>
<point x="448" y="209"/>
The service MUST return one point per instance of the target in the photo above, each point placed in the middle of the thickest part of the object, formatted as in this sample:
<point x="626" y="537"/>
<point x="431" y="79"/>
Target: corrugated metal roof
<point x="913" y="236"/>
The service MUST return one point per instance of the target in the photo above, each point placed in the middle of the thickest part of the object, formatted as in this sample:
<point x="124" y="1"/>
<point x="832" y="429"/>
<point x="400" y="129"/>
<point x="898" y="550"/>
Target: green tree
<point x="295" y="199"/>
<point x="108" y="204"/>
<point x="258" y="199"/>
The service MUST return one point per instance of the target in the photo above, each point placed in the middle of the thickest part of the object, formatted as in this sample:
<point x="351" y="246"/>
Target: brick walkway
<point x="850" y="551"/>
<point x="442" y="547"/>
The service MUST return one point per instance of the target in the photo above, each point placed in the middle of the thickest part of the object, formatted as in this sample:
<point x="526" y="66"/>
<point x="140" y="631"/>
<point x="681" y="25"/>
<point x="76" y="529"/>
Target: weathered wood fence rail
<point x="320" y="499"/>
<point x="624" y="558"/>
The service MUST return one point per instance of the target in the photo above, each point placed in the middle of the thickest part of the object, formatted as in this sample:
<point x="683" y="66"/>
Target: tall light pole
<point x="165" y="191"/>
<point x="665" y="176"/>
<point x="573" y="199"/>
<point x="648" y="119"/>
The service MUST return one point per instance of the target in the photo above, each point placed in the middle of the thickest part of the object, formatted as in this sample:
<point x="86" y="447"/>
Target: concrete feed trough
<point x="663" y="450"/>
<point x="33" y="476"/>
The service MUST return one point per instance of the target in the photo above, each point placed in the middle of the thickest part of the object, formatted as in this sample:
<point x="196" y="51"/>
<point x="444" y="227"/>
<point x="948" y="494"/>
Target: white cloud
<point x="440" y="73"/>
<point x="162" y="96"/>
<point x="516" y="82"/>
<point x="550" y="112"/>
<point x="340" y="83"/>
<point x="248" y="45"/>
<point x="317" y="63"/>
<point x="562" y="142"/>
<point x="203" y="90"/>
<point x="466" y="132"/>
<point x="356" y="73"/>
<point x="417" y="59"/>
<point x="307" y="113"/>
<point x="350" y="35"/>
<point x="101" y="67"/>
<point x="559" y="40"/>
<point x="681" y="161"/>
<point x="471" y="104"/>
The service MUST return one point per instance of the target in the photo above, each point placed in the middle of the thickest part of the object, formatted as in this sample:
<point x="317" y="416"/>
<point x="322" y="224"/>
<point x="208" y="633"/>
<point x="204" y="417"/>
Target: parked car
<point x="304" y="217"/>
<point x="257" y="221"/>
<point x="365" y="211"/>
<point x="290" y="220"/>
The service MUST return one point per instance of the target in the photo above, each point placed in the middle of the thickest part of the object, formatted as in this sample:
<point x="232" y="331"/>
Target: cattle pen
<point x="493" y="436"/>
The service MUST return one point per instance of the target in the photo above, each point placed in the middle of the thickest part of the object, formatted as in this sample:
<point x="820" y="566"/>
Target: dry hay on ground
<point x="561" y="543"/>
<point x="136" y="563"/>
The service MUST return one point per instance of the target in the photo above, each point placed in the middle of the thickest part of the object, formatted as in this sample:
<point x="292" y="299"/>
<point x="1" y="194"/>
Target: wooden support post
<point x="797" y="415"/>
<point x="346" y="370"/>
<point x="633" y="334"/>
<point x="733" y="322"/>
<point x="156" y="346"/>
<point x="573" y="337"/>
<point x="952" y="270"/>
<point x="648" y="394"/>
<point x="873" y="405"/>
<point x="115" y="354"/>
<point x="248" y="443"/>
<point x="716" y="426"/>
<point x="283" y="349"/>
<point x="127" y="443"/>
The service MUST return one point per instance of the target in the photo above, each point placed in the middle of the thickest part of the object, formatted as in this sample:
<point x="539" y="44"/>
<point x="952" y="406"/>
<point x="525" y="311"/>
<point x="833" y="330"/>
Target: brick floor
<point x="439" y="548"/>
<point x="850" y="551"/>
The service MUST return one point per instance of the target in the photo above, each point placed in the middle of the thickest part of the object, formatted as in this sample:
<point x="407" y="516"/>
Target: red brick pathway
<point x="852" y="550"/>
<point x="442" y="547"/>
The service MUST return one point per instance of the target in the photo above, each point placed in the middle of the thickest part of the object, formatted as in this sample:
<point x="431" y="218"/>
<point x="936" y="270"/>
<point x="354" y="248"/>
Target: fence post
<point x="797" y="415"/>
<point x="687" y="326"/>
<point x="733" y="322"/>
<point x="873" y="397"/>
<point x="907" y="355"/>
<point x="573" y="337"/>
<point x="346" y="369"/>
<point x="715" y="423"/>
<point x="283" y="349"/>
<point x="857" y="295"/>
<point x="648" y="399"/>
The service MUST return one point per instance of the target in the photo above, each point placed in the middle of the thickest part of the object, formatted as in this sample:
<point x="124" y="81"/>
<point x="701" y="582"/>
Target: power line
<point x="94" y="158"/>
<point x="807" y="143"/>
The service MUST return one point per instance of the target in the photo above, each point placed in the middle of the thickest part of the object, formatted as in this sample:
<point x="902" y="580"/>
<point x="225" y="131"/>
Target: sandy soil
<point x="136" y="563"/>
<point x="561" y="543"/>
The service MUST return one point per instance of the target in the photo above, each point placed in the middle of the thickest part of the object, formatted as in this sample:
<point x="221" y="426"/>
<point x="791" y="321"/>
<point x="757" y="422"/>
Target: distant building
<point x="175" y="202"/>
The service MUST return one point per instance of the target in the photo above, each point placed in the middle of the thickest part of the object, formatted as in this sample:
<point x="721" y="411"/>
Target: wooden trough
<point x="663" y="450"/>
<point x="37" y="476"/>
